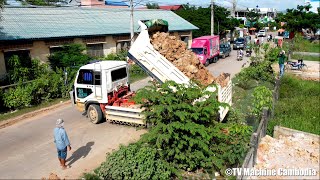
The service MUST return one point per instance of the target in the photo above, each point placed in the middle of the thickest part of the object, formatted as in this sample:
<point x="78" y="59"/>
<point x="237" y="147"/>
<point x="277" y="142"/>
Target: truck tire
<point x="223" y="56"/>
<point x="94" y="113"/>
<point x="215" y="59"/>
<point x="207" y="63"/>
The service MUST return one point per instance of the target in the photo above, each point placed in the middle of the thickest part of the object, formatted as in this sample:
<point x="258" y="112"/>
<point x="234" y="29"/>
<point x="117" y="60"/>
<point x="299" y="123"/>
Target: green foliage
<point x="298" y="18"/>
<point x="136" y="161"/>
<point x="122" y="55"/>
<point x="262" y="97"/>
<point x="69" y="56"/>
<point x="259" y="70"/>
<point x="298" y="106"/>
<point x="200" y="17"/>
<point x="152" y="5"/>
<point x="20" y="96"/>
<point x="17" y="72"/>
<point x="235" y="116"/>
<point x="229" y="145"/>
<point x="253" y="17"/>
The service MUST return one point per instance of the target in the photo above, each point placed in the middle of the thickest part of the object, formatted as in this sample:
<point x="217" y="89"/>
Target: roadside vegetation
<point x="298" y="106"/>
<point x="306" y="57"/>
<point x="253" y="87"/>
<point x="185" y="137"/>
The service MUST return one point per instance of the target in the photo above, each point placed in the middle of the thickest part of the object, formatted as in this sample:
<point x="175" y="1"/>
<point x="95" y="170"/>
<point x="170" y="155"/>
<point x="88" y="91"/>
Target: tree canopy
<point x="201" y="17"/>
<point x="152" y="5"/>
<point x="299" y="18"/>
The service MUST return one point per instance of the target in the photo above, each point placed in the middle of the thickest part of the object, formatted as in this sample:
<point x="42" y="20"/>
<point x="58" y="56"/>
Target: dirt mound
<point x="52" y="176"/>
<point x="185" y="60"/>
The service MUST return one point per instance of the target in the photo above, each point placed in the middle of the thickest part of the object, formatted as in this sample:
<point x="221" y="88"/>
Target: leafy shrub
<point x="69" y="56"/>
<point x="186" y="132"/>
<point x="262" y="97"/>
<point x="229" y="145"/>
<point x="258" y="70"/>
<point x="17" y="72"/>
<point x="18" y="97"/>
<point x="135" y="161"/>
<point x="122" y="55"/>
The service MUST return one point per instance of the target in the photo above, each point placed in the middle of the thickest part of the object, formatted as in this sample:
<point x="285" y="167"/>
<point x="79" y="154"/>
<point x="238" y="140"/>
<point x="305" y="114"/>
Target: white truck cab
<point x="100" y="83"/>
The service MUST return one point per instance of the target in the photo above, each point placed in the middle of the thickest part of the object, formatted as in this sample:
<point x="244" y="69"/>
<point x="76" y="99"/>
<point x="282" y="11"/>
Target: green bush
<point x="18" y="97"/>
<point x="262" y="97"/>
<point x="122" y="55"/>
<point x="69" y="56"/>
<point x="135" y="161"/>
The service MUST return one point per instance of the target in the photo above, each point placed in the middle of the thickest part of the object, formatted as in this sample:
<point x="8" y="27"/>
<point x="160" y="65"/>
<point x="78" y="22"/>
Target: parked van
<point x="206" y="48"/>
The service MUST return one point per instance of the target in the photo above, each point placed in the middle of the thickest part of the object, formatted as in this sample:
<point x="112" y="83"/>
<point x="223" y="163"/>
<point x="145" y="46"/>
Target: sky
<point x="278" y="4"/>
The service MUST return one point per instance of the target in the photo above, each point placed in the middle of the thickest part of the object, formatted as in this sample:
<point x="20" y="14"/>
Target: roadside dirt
<point x="175" y="50"/>
<point x="312" y="73"/>
<point x="11" y="121"/>
<point x="292" y="152"/>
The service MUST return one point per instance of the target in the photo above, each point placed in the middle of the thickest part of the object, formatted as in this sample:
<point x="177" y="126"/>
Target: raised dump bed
<point x="158" y="67"/>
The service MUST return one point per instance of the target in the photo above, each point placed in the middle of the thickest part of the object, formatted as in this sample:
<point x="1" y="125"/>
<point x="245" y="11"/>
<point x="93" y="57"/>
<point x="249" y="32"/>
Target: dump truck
<point x="102" y="89"/>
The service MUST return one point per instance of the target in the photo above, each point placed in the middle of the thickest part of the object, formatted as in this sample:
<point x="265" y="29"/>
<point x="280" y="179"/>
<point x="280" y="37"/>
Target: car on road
<point x="240" y="43"/>
<point x="225" y="50"/>
<point x="262" y="33"/>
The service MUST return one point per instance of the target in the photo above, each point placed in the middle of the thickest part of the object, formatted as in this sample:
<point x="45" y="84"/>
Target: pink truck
<point x="206" y="48"/>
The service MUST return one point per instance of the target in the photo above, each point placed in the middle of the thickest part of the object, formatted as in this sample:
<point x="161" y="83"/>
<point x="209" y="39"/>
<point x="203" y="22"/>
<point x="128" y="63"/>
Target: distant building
<point x="42" y="31"/>
<point x="270" y="13"/>
<point x="314" y="3"/>
<point x="171" y="8"/>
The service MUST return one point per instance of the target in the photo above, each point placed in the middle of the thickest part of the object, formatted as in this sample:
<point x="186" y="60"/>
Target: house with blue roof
<point x="38" y="32"/>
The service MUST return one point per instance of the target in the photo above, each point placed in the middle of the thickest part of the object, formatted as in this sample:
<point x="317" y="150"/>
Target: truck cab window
<point x="118" y="74"/>
<point x="85" y="77"/>
<point x="83" y="92"/>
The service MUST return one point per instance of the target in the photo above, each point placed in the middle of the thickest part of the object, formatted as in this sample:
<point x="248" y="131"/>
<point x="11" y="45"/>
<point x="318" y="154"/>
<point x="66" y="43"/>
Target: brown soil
<point x="175" y="50"/>
<point x="293" y="152"/>
<point x="52" y="176"/>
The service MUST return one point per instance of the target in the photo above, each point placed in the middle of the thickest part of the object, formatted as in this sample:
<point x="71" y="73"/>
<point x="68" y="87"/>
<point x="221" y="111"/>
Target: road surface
<point x="28" y="151"/>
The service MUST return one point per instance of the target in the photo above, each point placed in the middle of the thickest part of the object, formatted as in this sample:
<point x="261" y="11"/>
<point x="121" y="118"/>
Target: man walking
<point x="62" y="142"/>
<point x="281" y="60"/>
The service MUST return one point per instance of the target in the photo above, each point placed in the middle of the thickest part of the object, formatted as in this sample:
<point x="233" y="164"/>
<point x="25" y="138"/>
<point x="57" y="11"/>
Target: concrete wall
<point x="40" y="51"/>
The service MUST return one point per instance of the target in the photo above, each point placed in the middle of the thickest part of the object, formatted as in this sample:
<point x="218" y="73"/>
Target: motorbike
<point x="239" y="57"/>
<point x="248" y="53"/>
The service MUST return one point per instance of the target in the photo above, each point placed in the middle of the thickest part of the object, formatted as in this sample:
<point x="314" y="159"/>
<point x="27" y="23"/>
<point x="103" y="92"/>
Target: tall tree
<point x="201" y="17"/>
<point x="252" y="17"/>
<point x="299" y="18"/>
<point x="152" y="5"/>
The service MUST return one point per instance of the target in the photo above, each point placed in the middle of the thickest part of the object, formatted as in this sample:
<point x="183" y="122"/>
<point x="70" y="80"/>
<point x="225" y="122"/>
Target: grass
<point x="312" y="47"/>
<point x="298" y="106"/>
<point x="14" y="114"/>
<point x="306" y="57"/>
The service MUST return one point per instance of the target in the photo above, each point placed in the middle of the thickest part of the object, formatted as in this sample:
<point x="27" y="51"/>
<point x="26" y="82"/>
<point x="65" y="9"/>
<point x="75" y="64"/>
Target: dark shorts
<point x="62" y="154"/>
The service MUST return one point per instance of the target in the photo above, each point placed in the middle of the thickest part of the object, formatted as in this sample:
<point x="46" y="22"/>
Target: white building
<point x="314" y="3"/>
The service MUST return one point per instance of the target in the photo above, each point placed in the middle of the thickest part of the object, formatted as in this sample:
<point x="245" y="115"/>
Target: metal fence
<point x="251" y="157"/>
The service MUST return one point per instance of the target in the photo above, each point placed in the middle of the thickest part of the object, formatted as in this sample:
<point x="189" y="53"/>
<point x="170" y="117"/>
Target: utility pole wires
<point x="212" y="18"/>
<point x="131" y="22"/>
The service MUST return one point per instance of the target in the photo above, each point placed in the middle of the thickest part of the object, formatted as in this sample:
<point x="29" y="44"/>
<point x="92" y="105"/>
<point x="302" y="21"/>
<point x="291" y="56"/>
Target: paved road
<point x="28" y="151"/>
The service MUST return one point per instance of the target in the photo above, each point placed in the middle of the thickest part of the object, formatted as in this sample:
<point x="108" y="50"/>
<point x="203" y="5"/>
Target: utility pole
<point x="212" y="18"/>
<point x="131" y="22"/>
<point x="234" y="6"/>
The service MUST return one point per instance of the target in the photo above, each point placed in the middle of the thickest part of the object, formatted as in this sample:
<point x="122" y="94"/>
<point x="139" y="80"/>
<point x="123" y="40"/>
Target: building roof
<point x="43" y="23"/>
<point x="115" y="3"/>
<point x="173" y="7"/>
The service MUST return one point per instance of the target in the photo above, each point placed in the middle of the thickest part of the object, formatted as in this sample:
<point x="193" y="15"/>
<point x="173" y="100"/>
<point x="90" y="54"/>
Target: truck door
<point x="211" y="47"/>
<point x="87" y="83"/>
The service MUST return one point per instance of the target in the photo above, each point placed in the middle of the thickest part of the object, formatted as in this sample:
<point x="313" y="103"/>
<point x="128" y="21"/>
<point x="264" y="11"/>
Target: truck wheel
<point x="207" y="63"/>
<point x="95" y="113"/>
<point x="215" y="59"/>
<point x="223" y="56"/>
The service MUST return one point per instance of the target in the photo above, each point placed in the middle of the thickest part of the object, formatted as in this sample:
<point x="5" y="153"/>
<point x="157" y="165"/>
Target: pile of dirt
<point x="185" y="60"/>
<point x="52" y="176"/>
<point x="292" y="152"/>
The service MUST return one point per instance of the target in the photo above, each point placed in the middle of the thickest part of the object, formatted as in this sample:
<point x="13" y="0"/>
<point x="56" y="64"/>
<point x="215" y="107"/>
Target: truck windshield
<point x="197" y="50"/>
